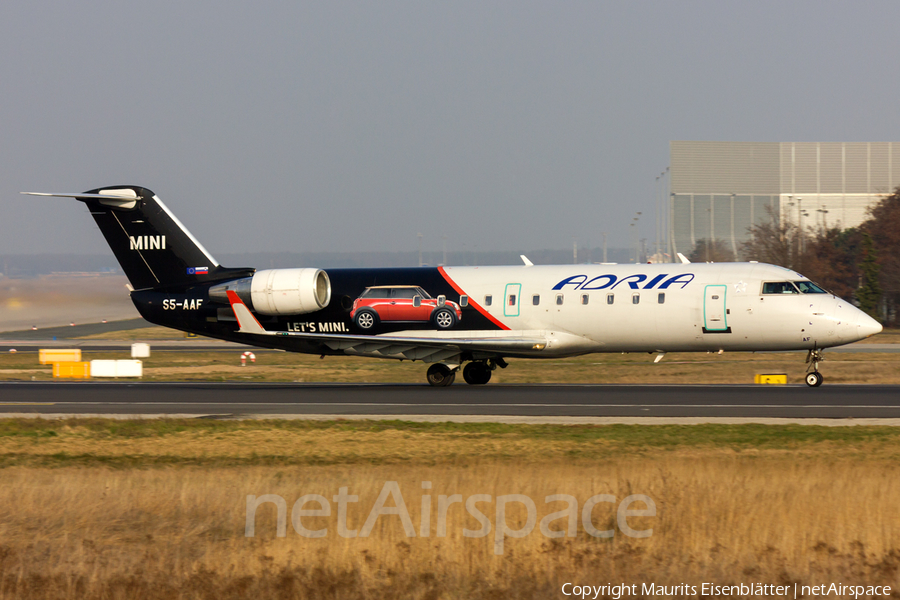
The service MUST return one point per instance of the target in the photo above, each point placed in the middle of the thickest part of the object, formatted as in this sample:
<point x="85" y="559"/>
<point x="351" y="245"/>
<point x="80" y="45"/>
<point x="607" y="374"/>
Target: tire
<point x="440" y="375"/>
<point x="814" y="379"/>
<point x="365" y="319"/>
<point x="443" y="318"/>
<point x="476" y="373"/>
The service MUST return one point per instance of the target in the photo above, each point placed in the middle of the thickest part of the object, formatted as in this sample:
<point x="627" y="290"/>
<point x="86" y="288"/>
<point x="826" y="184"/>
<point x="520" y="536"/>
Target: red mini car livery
<point x="403" y="303"/>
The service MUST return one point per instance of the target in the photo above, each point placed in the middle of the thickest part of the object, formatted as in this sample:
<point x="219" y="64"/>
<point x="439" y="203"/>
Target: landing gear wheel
<point x="477" y="373"/>
<point x="443" y="318"/>
<point x="813" y="377"/>
<point x="365" y="320"/>
<point x="440" y="375"/>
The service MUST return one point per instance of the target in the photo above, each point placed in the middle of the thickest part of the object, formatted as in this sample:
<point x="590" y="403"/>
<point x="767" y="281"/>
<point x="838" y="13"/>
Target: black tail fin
<point x="153" y="247"/>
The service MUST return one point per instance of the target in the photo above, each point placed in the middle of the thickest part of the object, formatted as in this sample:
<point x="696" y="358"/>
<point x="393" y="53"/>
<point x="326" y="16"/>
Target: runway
<point x="503" y="401"/>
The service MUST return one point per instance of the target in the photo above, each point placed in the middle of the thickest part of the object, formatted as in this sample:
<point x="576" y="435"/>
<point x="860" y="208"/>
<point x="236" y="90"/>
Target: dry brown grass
<point x="153" y="443"/>
<point x="888" y="336"/>
<point x="179" y="533"/>
<point x="734" y="367"/>
<point x="141" y="334"/>
<point x="734" y="504"/>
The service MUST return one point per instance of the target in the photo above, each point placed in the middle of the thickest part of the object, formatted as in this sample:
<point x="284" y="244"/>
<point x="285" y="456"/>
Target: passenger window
<point x="610" y="298"/>
<point x="512" y="300"/>
<point x="488" y="299"/>
<point x="635" y="298"/>
<point x="585" y="298"/>
<point x="559" y="299"/>
<point x="662" y="297"/>
<point x="463" y="301"/>
<point x="536" y="299"/>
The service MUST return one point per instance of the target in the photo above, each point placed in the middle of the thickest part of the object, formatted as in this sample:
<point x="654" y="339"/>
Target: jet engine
<point x="279" y="291"/>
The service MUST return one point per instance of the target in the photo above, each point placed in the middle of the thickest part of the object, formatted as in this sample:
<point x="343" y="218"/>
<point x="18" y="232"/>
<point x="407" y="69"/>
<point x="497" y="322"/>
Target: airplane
<point x="467" y="318"/>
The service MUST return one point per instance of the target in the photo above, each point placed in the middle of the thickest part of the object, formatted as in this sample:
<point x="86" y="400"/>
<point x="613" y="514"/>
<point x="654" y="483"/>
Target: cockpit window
<point x="808" y="287"/>
<point x="779" y="287"/>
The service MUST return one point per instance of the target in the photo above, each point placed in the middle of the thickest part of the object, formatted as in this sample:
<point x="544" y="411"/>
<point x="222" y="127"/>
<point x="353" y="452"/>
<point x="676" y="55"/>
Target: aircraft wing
<point x="426" y="349"/>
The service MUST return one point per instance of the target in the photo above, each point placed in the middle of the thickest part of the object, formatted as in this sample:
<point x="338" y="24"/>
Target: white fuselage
<point x="658" y="308"/>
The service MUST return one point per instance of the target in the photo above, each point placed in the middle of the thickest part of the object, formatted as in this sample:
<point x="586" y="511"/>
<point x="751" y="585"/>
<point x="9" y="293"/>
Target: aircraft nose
<point x="866" y="326"/>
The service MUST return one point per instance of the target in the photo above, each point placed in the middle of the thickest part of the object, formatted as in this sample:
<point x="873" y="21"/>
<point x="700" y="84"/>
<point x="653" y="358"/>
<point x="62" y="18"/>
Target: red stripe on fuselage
<point x="477" y="306"/>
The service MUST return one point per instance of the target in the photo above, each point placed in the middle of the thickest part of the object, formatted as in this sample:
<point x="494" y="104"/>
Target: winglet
<point x="525" y="260"/>
<point x="684" y="259"/>
<point x="245" y="319"/>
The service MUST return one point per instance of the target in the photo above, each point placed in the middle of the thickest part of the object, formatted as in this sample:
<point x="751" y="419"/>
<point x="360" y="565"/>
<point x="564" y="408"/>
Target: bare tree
<point x="830" y="259"/>
<point x="883" y="225"/>
<point x="775" y="241"/>
<point x="711" y="251"/>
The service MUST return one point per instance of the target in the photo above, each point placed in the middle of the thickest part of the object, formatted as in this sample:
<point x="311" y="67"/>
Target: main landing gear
<point x="813" y="377"/>
<point x="440" y="375"/>
<point x="477" y="372"/>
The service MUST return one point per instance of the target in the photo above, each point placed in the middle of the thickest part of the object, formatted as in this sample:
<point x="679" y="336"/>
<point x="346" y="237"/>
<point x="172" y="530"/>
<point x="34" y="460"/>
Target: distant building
<point x="719" y="189"/>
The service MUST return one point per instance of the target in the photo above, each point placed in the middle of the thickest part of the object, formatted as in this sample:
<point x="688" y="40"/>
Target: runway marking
<point x="27" y="403"/>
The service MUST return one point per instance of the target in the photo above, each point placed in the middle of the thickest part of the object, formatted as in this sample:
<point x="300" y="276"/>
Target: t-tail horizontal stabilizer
<point x="117" y="198"/>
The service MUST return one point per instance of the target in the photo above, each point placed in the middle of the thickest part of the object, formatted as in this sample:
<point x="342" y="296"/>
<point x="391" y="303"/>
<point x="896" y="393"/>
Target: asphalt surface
<point x="74" y="331"/>
<point x="232" y="399"/>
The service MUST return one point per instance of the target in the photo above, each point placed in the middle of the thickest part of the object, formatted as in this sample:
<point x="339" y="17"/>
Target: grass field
<point x="735" y="367"/>
<point x="158" y="509"/>
<point x="143" y="334"/>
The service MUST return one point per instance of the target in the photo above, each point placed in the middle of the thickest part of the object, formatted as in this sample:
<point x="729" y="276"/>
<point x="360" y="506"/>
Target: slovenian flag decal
<point x="197" y="270"/>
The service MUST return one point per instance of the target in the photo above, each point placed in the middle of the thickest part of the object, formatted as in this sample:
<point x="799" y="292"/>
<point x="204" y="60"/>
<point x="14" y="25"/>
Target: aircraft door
<point x="715" y="313"/>
<point x="512" y="299"/>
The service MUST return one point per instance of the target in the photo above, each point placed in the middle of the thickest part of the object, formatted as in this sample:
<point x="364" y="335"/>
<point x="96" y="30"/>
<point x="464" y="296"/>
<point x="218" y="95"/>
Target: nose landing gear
<point x="813" y="377"/>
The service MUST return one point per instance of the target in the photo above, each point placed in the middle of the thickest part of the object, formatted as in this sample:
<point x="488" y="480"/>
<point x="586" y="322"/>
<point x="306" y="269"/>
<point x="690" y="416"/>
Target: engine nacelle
<point x="289" y="291"/>
<point x="279" y="291"/>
